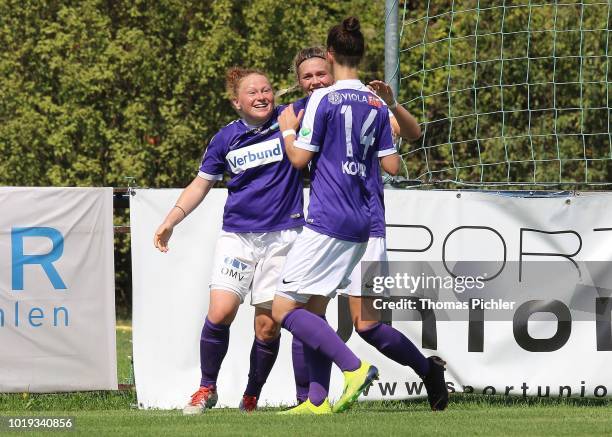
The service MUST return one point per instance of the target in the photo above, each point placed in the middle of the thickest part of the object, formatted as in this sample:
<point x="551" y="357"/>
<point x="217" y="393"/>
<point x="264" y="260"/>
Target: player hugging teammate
<point x="345" y="132"/>
<point x="254" y="241"/>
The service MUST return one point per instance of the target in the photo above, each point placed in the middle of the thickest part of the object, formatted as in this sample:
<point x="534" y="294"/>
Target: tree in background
<point x="534" y="105"/>
<point x="93" y="91"/>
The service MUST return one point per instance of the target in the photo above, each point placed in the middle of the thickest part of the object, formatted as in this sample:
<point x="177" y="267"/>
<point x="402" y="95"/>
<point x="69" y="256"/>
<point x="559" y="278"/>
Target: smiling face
<point x="314" y="73"/>
<point x="255" y="99"/>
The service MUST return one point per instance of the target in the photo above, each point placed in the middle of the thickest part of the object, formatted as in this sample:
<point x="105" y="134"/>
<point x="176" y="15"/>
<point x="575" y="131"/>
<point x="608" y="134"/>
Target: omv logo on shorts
<point x="233" y="262"/>
<point x="255" y="155"/>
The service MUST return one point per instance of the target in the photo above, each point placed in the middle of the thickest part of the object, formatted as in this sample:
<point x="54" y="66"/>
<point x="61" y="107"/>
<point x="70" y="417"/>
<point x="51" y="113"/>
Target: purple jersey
<point x="265" y="191"/>
<point x="377" y="200"/>
<point x="377" y="192"/>
<point x="346" y="125"/>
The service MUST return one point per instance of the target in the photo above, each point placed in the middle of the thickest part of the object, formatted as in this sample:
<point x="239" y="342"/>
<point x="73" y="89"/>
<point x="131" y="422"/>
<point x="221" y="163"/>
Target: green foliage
<point x="508" y="94"/>
<point x="92" y="91"/>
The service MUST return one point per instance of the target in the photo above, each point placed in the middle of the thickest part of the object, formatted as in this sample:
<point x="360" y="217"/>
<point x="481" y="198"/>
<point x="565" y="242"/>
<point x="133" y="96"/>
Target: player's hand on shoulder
<point x="382" y="90"/>
<point x="162" y="236"/>
<point x="289" y="120"/>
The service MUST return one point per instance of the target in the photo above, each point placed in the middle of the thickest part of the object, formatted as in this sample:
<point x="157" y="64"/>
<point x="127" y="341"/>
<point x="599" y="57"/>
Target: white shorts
<point x="362" y="286"/>
<point x="251" y="262"/>
<point x="318" y="264"/>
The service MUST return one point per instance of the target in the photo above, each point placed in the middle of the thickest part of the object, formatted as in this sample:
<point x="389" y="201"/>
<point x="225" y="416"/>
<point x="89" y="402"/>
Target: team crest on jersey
<point x="255" y="155"/>
<point x="334" y="98"/>
<point x="374" y="101"/>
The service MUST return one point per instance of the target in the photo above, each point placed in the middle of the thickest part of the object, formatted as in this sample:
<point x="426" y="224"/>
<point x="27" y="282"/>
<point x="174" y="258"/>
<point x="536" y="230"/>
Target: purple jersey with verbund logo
<point x="345" y="125"/>
<point x="265" y="192"/>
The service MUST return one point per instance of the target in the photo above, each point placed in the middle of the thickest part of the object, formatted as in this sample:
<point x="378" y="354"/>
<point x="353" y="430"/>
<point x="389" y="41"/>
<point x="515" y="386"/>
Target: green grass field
<point x="106" y="413"/>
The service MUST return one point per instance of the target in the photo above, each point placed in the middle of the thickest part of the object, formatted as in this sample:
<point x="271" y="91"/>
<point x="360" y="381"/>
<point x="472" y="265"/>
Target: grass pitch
<point x="113" y="413"/>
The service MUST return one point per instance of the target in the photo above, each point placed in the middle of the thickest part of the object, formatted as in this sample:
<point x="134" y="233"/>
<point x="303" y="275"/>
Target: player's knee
<point x="267" y="331"/>
<point x="360" y="324"/>
<point x="278" y="314"/>
<point x="220" y="316"/>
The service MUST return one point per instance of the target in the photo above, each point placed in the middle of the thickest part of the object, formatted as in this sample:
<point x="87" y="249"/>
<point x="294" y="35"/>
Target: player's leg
<point x="230" y="283"/>
<point x="300" y="370"/>
<point x="319" y="365"/>
<point x="388" y="340"/>
<point x="397" y="347"/>
<point x="300" y="367"/>
<point x="304" y="269"/>
<point x="271" y="250"/>
<point x="318" y="372"/>
<point x="214" y="341"/>
<point x="321" y="263"/>
<point x="317" y="335"/>
<point x="263" y="356"/>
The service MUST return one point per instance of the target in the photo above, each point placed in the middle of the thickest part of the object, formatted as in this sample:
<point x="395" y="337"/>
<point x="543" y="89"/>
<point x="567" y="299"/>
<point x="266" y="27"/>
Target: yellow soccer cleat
<point x="308" y="407"/>
<point x="355" y="382"/>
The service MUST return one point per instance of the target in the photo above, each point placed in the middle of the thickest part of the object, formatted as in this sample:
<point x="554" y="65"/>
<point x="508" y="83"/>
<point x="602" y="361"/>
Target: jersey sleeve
<point x="299" y="105"/>
<point x="385" y="140"/>
<point x="213" y="161"/>
<point x="312" y="131"/>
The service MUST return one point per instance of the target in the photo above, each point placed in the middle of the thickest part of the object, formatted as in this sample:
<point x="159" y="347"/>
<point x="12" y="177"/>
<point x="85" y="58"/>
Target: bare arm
<point x="299" y="158"/>
<point x="403" y="123"/>
<point x="391" y="164"/>
<point x="189" y="199"/>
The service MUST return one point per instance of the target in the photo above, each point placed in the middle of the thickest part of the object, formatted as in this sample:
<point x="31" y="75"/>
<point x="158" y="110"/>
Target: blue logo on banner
<point x="45" y="261"/>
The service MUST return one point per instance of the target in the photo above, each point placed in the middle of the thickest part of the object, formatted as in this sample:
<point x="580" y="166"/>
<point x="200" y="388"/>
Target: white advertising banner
<point x="57" y="292"/>
<point x="556" y="342"/>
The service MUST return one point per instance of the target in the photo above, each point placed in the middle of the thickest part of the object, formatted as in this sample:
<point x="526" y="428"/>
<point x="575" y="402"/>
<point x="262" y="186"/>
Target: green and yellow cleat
<point x="355" y="382"/>
<point x="308" y="407"/>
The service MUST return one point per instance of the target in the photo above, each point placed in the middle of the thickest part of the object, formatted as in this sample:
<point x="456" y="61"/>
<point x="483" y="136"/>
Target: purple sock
<point x="319" y="367"/>
<point x="263" y="357"/>
<point x="213" y="347"/>
<point x="393" y="344"/>
<point x="300" y="370"/>
<point x="317" y="334"/>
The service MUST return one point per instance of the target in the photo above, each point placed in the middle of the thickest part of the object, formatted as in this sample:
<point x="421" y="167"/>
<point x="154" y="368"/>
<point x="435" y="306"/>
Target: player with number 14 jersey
<point x="343" y="161"/>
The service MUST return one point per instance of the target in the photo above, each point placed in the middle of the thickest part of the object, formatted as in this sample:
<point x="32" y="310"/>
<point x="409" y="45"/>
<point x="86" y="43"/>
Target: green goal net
<point x="507" y="92"/>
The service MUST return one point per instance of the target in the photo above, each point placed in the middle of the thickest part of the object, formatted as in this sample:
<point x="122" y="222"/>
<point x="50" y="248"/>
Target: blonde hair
<point x="301" y="56"/>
